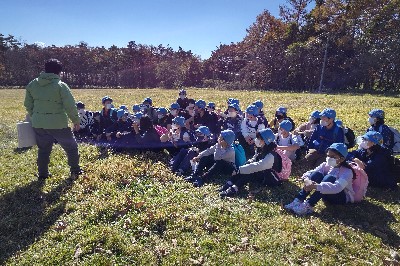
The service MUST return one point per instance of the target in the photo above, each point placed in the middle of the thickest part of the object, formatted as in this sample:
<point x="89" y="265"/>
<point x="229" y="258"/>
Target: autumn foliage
<point x="358" y="41"/>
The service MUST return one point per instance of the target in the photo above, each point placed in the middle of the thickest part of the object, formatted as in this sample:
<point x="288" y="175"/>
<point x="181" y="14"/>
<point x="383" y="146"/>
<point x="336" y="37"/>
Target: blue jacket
<point x="120" y="126"/>
<point x="378" y="166"/>
<point x="322" y="138"/>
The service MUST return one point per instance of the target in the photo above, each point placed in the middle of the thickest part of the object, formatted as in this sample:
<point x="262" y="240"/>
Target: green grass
<point x="131" y="210"/>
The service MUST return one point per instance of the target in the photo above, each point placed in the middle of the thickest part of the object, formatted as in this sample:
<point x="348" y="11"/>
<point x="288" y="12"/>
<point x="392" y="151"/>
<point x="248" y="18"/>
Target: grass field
<point x="131" y="210"/>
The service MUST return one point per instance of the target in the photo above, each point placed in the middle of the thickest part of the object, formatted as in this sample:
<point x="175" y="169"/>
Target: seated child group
<point x="246" y="147"/>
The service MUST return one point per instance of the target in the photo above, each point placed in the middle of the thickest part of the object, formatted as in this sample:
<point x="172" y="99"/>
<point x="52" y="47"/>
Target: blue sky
<point x="194" y="25"/>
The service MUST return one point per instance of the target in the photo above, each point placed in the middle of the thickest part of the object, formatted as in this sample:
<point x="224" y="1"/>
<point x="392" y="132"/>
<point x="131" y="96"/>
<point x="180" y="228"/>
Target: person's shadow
<point x="27" y="213"/>
<point x="365" y="216"/>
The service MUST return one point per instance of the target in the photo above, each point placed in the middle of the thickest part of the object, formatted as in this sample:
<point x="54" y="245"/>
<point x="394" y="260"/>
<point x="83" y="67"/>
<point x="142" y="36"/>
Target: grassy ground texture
<point x="131" y="210"/>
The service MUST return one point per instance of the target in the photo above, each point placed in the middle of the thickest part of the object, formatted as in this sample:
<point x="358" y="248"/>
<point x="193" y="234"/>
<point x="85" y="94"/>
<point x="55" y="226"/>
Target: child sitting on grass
<point x="331" y="181"/>
<point x="180" y="163"/>
<point x="262" y="168"/>
<point x="286" y="141"/>
<point x="216" y="160"/>
<point x="375" y="159"/>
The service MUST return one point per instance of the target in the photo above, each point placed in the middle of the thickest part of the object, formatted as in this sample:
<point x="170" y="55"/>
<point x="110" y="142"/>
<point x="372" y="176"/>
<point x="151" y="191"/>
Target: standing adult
<point x="49" y="103"/>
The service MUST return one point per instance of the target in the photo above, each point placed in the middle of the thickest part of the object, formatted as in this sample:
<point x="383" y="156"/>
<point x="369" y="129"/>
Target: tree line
<point x="335" y="45"/>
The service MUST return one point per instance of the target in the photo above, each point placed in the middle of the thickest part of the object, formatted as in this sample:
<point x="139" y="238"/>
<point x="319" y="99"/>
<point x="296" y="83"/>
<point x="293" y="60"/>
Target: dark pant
<point x="248" y="149"/>
<point x="45" y="139"/>
<point x="266" y="177"/>
<point x="312" y="159"/>
<point x="219" y="167"/>
<point x="182" y="159"/>
<point x="339" y="198"/>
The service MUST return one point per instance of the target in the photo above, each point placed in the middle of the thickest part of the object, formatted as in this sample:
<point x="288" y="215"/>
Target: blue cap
<point x="162" y="110"/>
<point x="378" y="113"/>
<point x="339" y="123"/>
<point x="267" y="135"/>
<point x="136" y="108"/>
<point x="315" y="114"/>
<point x="286" y="125"/>
<point x="179" y="120"/>
<point x="281" y="109"/>
<point x="233" y="101"/>
<point x="211" y="105"/>
<point x="123" y="107"/>
<point x="203" y="130"/>
<point x="175" y="106"/>
<point x="138" y="115"/>
<point x="201" y="104"/>
<point x="329" y="113"/>
<point x="120" y="113"/>
<point x="374" y="137"/>
<point x="149" y="100"/>
<point x="234" y="105"/>
<point x="229" y="136"/>
<point x="259" y="104"/>
<point x="80" y="105"/>
<point x="252" y="110"/>
<point x="340" y="148"/>
<point x="106" y="98"/>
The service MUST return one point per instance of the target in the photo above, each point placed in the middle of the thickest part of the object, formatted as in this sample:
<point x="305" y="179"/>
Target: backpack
<point x="299" y="151"/>
<point x="240" y="155"/>
<point x="360" y="182"/>
<point x="284" y="174"/>
<point x="396" y="139"/>
<point x="350" y="137"/>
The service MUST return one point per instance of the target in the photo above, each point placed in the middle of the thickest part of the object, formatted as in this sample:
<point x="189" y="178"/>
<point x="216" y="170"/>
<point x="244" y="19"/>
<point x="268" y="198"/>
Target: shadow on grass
<point x="390" y="196"/>
<point x="27" y="213"/>
<point x="365" y="216"/>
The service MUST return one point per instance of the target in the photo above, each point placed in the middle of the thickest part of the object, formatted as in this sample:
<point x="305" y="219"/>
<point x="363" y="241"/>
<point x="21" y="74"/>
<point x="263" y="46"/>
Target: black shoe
<point x="228" y="193"/>
<point x="198" y="183"/>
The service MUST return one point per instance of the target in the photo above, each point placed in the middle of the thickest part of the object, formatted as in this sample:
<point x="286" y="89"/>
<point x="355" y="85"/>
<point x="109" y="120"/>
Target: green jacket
<point x="48" y="101"/>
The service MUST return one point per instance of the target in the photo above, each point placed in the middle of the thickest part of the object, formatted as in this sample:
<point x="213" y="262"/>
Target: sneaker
<point x="191" y="178"/>
<point x="225" y="187"/>
<point x="198" y="183"/>
<point x="303" y="209"/>
<point x="293" y="204"/>
<point x="228" y="193"/>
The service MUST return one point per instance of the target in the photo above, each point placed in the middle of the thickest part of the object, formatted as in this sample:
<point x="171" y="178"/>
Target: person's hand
<point x="359" y="163"/>
<point x="118" y="135"/>
<point x="196" y="159"/>
<point x="249" y="140"/>
<point x="310" y="186"/>
<point x="76" y="127"/>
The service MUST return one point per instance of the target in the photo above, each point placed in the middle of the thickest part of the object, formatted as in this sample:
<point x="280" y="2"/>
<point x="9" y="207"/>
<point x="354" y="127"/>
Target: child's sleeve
<point x="345" y="177"/>
<point x="244" y="130"/>
<point x="266" y="163"/>
<point x="208" y="151"/>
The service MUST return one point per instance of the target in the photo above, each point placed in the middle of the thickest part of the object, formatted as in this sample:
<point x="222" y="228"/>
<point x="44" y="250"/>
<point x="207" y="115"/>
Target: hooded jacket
<point x="49" y="102"/>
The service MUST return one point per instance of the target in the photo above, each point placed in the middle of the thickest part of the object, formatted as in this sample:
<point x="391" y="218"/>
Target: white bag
<point x="26" y="135"/>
